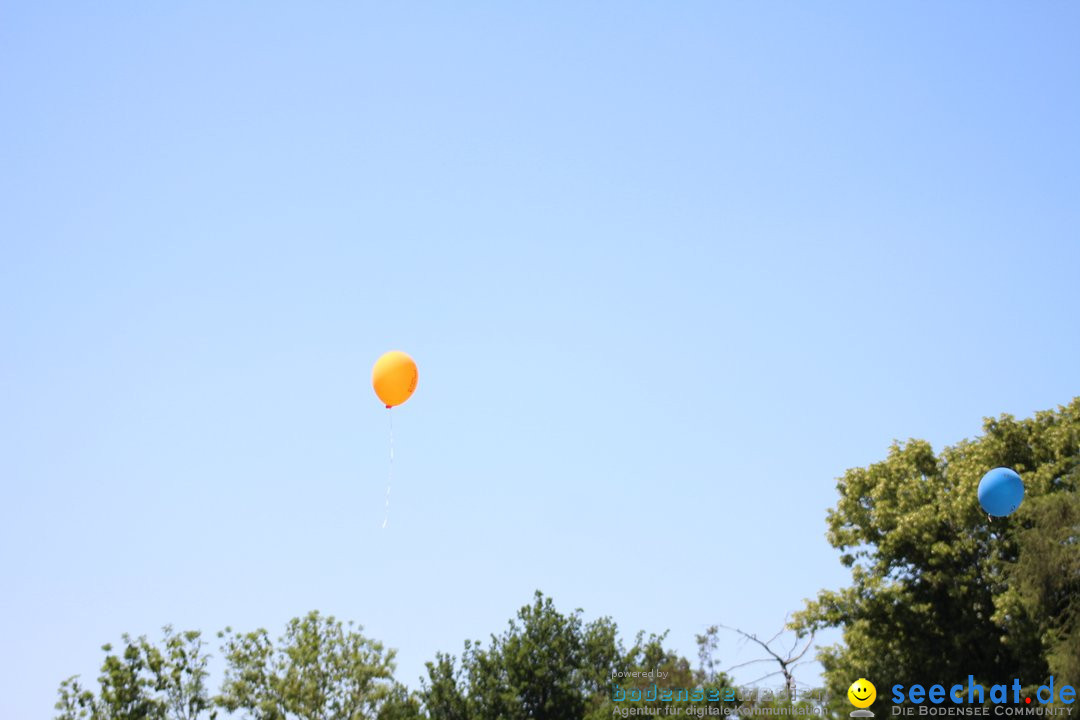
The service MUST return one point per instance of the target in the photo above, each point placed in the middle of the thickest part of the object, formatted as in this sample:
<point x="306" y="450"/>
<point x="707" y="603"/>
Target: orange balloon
<point x="394" y="378"/>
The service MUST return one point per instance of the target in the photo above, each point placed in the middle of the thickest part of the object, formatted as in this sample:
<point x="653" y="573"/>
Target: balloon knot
<point x="389" y="406"/>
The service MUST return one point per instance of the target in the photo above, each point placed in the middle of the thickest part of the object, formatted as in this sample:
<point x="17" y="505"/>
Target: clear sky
<point x="667" y="269"/>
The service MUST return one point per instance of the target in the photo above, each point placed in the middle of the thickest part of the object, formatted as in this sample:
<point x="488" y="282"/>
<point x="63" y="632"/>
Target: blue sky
<point x="667" y="269"/>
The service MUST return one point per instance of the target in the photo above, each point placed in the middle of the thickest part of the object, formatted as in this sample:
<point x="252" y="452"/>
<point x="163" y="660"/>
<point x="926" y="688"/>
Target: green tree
<point x="400" y="704"/>
<point x="320" y="669"/>
<point x="1045" y="580"/>
<point x="938" y="589"/>
<point x="551" y="666"/>
<point x="179" y="669"/>
<point x="144" y="682"/>
<point x="545" y="666"/>
<point x="445" y="692"/>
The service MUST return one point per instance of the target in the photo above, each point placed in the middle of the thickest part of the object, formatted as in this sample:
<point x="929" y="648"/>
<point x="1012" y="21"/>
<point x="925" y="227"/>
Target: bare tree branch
<point x="748" y="662"/>
<point x="787" y="662"/>
<point x="764" y="677"/>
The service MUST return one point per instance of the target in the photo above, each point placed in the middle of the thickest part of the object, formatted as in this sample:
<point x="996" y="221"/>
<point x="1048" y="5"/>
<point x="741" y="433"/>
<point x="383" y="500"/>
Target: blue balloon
<point x="1000" y="492"/>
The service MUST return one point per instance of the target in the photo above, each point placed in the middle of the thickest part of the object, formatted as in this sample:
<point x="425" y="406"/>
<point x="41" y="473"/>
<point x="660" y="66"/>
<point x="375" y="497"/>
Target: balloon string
<point x="390" y="477"/>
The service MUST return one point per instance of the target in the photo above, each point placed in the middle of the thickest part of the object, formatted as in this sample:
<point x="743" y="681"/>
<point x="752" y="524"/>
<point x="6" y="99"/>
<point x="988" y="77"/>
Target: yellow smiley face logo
<point x="862" y="693"/>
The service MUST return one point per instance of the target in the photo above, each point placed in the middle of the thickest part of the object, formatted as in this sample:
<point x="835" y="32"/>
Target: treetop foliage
<point x="940" y="590"/>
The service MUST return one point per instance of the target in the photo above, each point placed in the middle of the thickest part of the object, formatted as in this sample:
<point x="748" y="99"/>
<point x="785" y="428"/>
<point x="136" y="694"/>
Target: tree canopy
<point x="320" y="669"/>
<point x="144" y="682"/>
<point x="941" y="591"/>
<point x="546" y="665"/>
